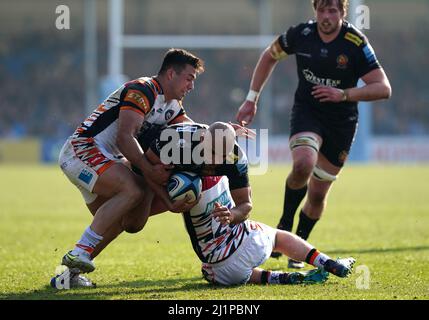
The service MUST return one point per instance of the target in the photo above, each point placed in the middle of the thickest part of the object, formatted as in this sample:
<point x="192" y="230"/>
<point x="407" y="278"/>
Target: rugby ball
<point x="184" y="183"/>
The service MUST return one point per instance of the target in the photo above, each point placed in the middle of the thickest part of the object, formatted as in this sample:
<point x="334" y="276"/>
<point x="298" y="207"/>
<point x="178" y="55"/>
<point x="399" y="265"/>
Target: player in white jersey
<point x="97" y="157"/>
<point x="231" y="247"/>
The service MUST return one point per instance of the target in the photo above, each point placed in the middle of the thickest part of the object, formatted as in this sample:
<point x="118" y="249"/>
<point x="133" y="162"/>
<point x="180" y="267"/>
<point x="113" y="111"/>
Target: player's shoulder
<point x="148" y="85"/>
<point x="303" y="29"/>
<point x="353" y="34"/>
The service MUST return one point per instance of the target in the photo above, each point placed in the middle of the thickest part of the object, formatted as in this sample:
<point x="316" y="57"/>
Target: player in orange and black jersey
<point x="97" y="157"/>
<point x="332" y="55"/>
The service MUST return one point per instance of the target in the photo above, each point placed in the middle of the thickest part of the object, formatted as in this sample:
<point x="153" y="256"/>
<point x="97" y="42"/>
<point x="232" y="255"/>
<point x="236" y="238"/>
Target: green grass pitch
<point x="379" y="215"/>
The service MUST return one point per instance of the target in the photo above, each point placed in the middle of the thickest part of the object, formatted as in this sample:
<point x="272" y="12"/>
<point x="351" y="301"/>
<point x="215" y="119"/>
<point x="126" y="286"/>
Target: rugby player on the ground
<point x="230" y="246"/>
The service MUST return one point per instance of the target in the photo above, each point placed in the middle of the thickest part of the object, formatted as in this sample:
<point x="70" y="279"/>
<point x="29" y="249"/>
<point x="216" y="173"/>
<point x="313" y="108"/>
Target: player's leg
<point x="131" y="222"/>
<point x="120" y="186"/>
<point x="304" y="148"/>
<point x="260" y="276"/>
<point x="332" y="157"/>
<point x="114" y="231"/>
<point x="300" y="250"/>
<point x="318" y="190"/>
<point x="304" y="142"/>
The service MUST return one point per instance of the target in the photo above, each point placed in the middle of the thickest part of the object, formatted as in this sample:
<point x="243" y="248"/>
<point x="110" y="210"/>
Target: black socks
<point x="305" y="226"/>
<point x="292" y="200"/>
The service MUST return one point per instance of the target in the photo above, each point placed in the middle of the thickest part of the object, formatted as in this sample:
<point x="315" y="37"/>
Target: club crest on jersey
<point x="342" y="61"/>
<point x="169" y="114"/>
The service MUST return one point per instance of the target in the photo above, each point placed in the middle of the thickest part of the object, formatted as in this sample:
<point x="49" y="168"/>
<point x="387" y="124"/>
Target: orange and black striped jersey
<point x="144" y="96"/>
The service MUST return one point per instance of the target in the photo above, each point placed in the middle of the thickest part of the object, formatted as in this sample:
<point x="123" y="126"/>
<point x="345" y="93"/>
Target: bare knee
<point x="132" y="227"/>
<point x="303" y="168"/>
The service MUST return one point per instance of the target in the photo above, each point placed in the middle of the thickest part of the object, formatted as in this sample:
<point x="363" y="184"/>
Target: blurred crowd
<point x="42" y="88"/>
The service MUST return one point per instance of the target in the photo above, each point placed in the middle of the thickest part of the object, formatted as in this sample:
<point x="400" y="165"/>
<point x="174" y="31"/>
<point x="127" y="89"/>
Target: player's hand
<point x="246" y="113"/>
<point x="327" y="94"/>
<point x="183" y="205"/>
<point x="241" y="131"/>
<point x="160" y="173"/>
<point x="222" y="214"/>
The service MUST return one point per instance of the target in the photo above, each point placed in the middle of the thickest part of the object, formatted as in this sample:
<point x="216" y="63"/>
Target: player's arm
<point x="129" y="124"/>
<point x="262" y="72"/>
<point x="243" y="205"/>
<point x="265" y="66"/>
<point x="137" y="101"/>
<point x="377" y="86"/>
<point x="267" y="61"/>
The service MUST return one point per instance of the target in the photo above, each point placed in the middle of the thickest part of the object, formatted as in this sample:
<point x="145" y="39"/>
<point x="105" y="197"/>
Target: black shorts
<point x="337" y="131"/>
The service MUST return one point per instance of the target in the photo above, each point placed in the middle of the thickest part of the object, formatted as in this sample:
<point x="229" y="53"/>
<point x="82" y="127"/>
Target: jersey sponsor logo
<point x="310" y="77"/>
<point x="86" y="176"/>
<point x="137" y="98"/>
<point x="242" y="168"/>
<point x="342" y="61"/>
<point x="324" y="53"/>
<point x="353" y="38"/>
<point x="369" y="53"/>
<point x="223" y="199"/>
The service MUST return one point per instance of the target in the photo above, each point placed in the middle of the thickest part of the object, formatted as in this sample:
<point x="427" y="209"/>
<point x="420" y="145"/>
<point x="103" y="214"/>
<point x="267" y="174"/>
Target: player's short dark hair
<point x="342" y="4"/>
<point x="178" y="59"/>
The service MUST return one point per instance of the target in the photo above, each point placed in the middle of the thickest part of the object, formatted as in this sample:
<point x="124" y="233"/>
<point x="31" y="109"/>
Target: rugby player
<point x="230" y="246"/>
<point x="332" y="55"/>
<point x="97" y="157"/>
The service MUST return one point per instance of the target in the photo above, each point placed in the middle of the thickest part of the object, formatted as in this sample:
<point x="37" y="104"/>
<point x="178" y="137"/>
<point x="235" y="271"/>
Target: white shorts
<point x="82" y="161"/>
<point x="238" y="268"/>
